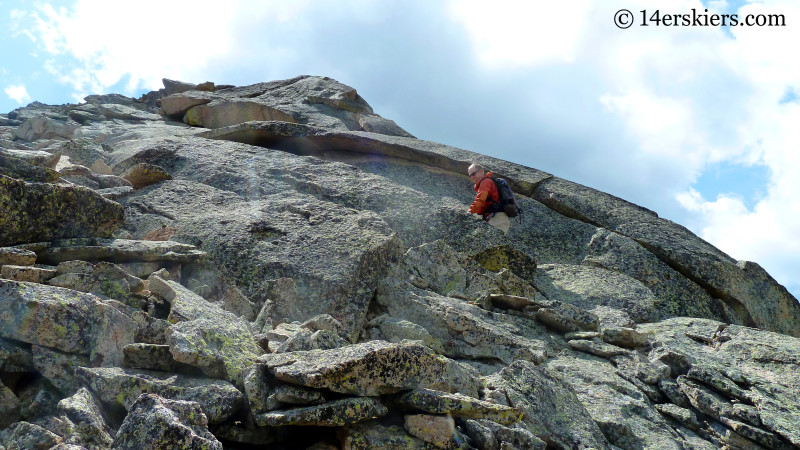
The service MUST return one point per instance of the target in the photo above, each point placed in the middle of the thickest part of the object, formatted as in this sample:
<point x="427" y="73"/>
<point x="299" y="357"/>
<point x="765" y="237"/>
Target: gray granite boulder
<point x="218" y="399"/>
<point x="204" y="335"/>
<point x="60" y="212"/>
<point x="332" y="414"/>
<point x="114" y="250"/>
<point x="318" y="101"/>
<point x="43" y="127"/>
<point x="105" y="280"/>
<point x="372" y="368"/>
<point x="85" y="412"/>
<point x="13" y="166"/>
<point x="67" y="320"/>
<point x="16" y="256"/>
<point x="369" y="435"/>
<point x="9" y="407"/>
<point x="59" y="367"/>
<point x="155" y="422"/>
<point x="26" y="435"/>
<point x="458" y="405"/>
<point x="551" y="410"/>
<point x="741" y="285"/>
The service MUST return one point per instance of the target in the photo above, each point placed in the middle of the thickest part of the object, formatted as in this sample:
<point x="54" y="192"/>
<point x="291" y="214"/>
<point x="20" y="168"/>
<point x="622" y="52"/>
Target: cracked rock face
<point x="277" y="265"/>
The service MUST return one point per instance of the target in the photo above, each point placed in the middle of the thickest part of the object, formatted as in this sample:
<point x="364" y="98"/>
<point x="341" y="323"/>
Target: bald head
<point x="475" y="172"/>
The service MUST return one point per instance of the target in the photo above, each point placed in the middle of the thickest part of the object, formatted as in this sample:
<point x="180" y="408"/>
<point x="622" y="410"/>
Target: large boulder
<point x="372" y="368"/>
<point x="155" y="422"/>
<point x="67" y="320"/>
<point x="31" y="212"/>
<point x="205" y="336"/>
<point x="16" y="167"/>
<point x="729" y="361"/>
<point x="85" y="412"/>
<point x="218" y="399"/>
<point x="743" y="285"/>
<point x="550" y="408"/>
<point x="44" y="127"/>
<point x="318" y="101"/>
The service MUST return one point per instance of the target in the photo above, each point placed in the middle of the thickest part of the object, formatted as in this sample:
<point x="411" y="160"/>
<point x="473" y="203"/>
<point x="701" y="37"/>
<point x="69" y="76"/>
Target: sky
<point x="697" y="121"/>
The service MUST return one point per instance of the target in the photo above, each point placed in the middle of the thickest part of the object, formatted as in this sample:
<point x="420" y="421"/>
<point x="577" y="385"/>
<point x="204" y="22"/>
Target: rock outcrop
<point x="277" y="266"/>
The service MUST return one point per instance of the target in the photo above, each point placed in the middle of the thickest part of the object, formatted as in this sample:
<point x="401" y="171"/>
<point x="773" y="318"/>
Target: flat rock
<point x="117" y="251"/>
<point x="105" y="280"/>
<point x="623" y="337"/>
<point x="178" y="103"/>
<point x="371" y="368"/>
<point x="222" y="113"/>
<point x="155" y="357"/>
<point x="504" y="301"/>
<point x="218" y="399"/>
<point x="370" y="435"/>
<point x="600" y="349"/>
<point x="332" y="414"/>
<point x="16" y="256"/>
<point x="27" y="273"/>
<point x="296" y="395"/>
<point x="458" y="405"/>
<point x="36" y="157"/>
<point x="61" y="212"/>
<point x="16" y="167"/>
<point x="566" y="317"/>
<point x="588" y="287"/>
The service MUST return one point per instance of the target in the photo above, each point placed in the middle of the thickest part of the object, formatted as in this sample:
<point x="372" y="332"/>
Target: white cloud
<point x="155" y="39"/>
<point x="18" y="93"/>
<point x="769" y="233"/>
<point x="520" y="33"/>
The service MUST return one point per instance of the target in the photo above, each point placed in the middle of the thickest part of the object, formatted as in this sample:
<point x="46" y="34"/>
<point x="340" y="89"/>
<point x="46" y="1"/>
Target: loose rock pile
<point x="276" y="266"/>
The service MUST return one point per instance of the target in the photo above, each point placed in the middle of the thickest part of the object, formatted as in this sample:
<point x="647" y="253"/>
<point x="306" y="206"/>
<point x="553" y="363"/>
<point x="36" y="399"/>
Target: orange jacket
<point x="487" y="195"/>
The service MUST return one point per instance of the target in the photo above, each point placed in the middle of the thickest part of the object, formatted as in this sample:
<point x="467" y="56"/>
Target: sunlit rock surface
<point x="278" y="266"/>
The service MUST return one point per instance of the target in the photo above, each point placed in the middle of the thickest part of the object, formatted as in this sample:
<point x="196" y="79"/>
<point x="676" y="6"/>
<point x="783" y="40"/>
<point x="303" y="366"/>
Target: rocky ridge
<point x="277" y="266"/>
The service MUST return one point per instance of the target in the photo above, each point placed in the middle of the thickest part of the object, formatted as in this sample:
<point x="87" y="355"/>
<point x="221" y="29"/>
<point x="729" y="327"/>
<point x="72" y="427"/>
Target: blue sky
<point x="696" y="123"/>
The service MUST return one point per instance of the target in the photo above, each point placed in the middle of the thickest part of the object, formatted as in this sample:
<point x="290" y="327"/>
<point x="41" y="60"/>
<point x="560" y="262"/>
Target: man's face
<point x="475" y="174"/>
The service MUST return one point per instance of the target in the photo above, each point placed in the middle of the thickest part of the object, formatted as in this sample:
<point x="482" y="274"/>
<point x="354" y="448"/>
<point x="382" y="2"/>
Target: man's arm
<point x="479" y="205"/>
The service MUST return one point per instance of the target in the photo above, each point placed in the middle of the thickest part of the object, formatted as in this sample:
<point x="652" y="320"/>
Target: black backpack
<point x="507" y="203"/>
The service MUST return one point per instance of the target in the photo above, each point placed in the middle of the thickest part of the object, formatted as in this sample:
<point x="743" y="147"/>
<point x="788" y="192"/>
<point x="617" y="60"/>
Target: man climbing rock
<point x="487" y="200"/>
